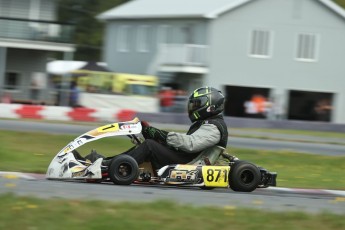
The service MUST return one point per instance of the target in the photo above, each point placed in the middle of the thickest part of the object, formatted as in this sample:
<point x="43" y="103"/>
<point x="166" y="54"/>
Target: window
<point x="14" y="9"/>
<point x="261" y="43"/>
<point x="146" y="90"/>
<point x="123" y="38"/>
<point x="307" y="47"/>
<point x="164" y="34"/>
<point x="143" y="38"/>
<point x="12" y="80"/>
<point x="188" y="32"/>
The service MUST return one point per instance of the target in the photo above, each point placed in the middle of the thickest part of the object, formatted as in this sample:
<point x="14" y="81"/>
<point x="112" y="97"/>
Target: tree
<point x="88" y="35"/>
<point x="340" y="3"/>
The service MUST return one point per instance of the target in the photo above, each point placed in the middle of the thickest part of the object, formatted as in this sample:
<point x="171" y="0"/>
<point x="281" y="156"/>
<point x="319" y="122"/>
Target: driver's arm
<point x="206" y="136"/>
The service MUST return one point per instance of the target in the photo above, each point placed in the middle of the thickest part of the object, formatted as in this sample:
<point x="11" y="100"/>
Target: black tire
<point x="244" y="177"/>
<point x="123" y="170"/>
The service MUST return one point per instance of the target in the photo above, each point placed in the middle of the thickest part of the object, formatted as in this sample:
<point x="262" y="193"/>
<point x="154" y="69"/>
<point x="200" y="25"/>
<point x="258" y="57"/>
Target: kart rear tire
<point x="123" y="170"/>
<point x="244" y="177"/>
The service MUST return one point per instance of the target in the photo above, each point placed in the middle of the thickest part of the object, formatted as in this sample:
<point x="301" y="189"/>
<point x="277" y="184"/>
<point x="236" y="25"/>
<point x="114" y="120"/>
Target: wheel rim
<point x="124" y="170"/>
<point x="247" y="177"/>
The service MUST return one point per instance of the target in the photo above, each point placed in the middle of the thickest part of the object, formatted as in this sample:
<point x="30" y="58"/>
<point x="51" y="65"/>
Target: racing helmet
<point x="205" y="102"/>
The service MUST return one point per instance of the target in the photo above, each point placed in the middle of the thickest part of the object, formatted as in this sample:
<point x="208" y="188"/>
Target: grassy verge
<point x="297" y="170"/>
<point x="298" y="132"/>
<point x="258" y="133"/>
<point x="55" y="214"/>
<point x="32" y="152"/>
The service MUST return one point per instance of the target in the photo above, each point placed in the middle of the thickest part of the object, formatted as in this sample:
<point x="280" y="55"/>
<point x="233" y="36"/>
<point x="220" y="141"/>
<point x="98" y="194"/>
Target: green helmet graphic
<point x="205" y="102"/>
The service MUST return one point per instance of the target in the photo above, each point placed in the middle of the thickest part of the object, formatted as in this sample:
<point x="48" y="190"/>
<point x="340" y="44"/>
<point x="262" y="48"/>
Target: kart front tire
<point x="244" y="177"/>
<point x="123" y="170"/>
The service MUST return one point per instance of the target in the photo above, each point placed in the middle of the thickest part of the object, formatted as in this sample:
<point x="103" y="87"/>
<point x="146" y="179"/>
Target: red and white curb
<point x="60" y="113"/>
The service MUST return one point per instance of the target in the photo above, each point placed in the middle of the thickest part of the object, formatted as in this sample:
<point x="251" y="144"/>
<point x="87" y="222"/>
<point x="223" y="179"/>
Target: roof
<point x="94" y="66"/>
<point x="137" y="9"/>
<point x="170" y="9"/>
<point x="63" y="67"/>
<point x="335" y="7"/>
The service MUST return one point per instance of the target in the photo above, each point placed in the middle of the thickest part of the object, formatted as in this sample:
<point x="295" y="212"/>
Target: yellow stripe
<point x="196" y="93"/>
<point x="196" y="115"/>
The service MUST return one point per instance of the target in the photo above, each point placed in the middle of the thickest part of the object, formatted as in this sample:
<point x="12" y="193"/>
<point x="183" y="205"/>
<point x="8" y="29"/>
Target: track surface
<point x="273" y="199"/>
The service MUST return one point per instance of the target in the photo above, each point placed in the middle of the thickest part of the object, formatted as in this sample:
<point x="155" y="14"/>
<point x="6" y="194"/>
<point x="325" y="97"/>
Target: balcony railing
<point x="35" y="30"/>
<point x="184" y="54"/>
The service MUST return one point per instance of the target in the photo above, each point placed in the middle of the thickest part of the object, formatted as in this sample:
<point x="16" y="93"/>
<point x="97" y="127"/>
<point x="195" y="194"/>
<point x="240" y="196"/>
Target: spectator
<point x="74" y="95"/>
<point x="180" y="101"/>
<point x="268" y="109"/>
<point x="6" y="98"/>
<point x="323" y="110"/>
<point x="250" y="109"/>
<point x="166" y="96"/>
<point x="259" y="102"/>
<point x="34" y="90"/>
<point x="278" y="109"/>
<point x="257" y="106"/>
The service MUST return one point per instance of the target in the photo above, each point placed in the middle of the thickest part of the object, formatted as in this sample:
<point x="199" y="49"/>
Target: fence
<point x="184" y="54"/>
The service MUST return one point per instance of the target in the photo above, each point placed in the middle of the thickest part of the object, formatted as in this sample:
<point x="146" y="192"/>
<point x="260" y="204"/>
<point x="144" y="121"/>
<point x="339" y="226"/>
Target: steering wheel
<point x="134" y="138"/>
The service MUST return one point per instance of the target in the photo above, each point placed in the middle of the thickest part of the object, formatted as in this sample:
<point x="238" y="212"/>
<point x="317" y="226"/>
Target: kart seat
<point x="208" y="156"/>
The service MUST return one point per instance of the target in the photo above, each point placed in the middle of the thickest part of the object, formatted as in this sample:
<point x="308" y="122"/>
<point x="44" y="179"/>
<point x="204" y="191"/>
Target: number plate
<point x="216" y="176"/>
<point x="108" y="128"/>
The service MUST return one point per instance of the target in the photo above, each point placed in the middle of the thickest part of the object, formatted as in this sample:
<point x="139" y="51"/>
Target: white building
<point x="291" y="51"/>
<point x="29" y="32"/>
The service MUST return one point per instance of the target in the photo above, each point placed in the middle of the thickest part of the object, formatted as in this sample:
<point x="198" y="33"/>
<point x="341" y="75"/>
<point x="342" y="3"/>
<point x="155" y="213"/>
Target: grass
<point x="32" y="152"/>
<point x="55" y="214"/>
<point x="297" y="170"/>
<point x="298" y="132"/>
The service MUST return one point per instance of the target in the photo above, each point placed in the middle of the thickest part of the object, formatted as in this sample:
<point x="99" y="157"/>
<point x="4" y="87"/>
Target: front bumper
<point x="267" y="178"/>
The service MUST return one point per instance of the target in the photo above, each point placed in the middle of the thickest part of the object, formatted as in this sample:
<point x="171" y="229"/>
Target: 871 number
<point x="213" y="175"/>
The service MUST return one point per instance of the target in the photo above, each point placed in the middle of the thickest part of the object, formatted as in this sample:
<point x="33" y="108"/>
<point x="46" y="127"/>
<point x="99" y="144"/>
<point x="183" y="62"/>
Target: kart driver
<point x="208" y="129"/>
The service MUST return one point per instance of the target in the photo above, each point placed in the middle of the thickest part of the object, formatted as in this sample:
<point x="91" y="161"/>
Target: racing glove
<point x="150" y="132"/>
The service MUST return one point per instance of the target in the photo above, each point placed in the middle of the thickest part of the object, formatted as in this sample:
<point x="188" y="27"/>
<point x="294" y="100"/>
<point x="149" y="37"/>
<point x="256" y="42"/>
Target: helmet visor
<point x="196" y="103"/>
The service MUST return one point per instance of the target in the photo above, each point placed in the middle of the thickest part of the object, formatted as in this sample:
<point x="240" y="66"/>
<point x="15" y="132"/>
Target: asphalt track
<point x="272" y="199"/>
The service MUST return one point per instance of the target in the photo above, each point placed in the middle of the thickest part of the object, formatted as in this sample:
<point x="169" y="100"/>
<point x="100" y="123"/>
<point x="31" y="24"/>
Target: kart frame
<point x="122" y="169"/>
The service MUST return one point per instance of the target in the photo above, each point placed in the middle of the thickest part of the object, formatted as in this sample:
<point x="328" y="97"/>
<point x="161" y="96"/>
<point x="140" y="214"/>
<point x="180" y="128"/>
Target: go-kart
<point x="204" y="171"/>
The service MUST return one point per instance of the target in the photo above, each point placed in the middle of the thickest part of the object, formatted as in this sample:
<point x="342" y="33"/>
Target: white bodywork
<point x="65" y="166"/>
